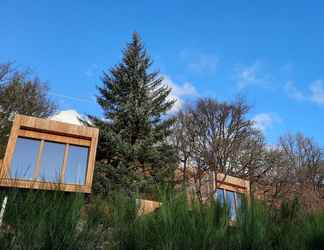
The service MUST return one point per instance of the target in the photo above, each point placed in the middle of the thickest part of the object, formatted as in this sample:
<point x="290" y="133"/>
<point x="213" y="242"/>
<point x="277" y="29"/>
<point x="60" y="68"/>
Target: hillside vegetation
<point x="56" y="220"/>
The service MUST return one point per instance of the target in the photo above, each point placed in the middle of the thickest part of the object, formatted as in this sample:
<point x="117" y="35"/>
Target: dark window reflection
<point x="52" y="161"/>
<point x="234" y="201"/>
<point x="230" y="201"/>
<point x="24" y="158"/>
<point x="220" y="196"/>
<point x="76" y="165"/>
<point x="239" y="200"/>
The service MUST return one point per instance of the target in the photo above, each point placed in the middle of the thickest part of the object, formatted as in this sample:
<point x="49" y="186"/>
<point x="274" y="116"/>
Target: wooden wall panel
<point x="147" y="206"/>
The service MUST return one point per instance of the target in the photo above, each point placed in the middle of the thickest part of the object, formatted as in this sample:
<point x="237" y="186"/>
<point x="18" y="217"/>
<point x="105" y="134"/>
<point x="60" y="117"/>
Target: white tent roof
<point x="68" y="116"/>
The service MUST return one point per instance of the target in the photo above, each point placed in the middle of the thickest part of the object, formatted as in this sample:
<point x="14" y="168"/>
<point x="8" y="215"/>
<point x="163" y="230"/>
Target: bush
<point x="40" y="220"/>
<point x="56" y="220"/>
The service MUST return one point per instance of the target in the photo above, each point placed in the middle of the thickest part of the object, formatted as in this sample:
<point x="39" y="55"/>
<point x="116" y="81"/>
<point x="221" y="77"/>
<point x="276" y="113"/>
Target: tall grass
<point x="40" y="220"/>
<point x="57" y="220"/>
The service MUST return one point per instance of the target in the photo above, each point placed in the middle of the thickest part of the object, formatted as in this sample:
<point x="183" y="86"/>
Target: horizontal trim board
<point x="230" y="184"/>
<point x="232" y="188"/>
<point x="55" y="126"/>
<point x="54" y="138"/>
<point x="44" y="185"/>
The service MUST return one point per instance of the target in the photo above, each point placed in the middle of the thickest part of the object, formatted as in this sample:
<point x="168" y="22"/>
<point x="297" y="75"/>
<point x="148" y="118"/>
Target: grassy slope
<point x="56" y="220"/>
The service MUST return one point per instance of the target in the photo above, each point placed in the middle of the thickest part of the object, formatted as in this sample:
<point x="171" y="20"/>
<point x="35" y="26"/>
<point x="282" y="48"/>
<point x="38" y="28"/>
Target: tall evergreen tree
<point x="133" y="151"/>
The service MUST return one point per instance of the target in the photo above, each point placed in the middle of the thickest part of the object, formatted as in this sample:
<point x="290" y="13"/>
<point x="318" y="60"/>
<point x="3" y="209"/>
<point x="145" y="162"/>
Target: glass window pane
<point x="230" y="202"/>
<point x="239" y="199"/>
<point x="220" y="196"/>
<point x="76" y="165"/>
<point x="51" y="162"/>
<point x="24" y="158"/>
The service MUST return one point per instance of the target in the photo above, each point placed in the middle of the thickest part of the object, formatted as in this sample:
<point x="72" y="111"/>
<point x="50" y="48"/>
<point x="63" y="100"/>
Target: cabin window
<point x="44" y="161"/>
<point x="220" y="196"/>
<point x="233" y="201"/>
<point x="51" y="162"/>
<point x="24" y="158"/>
<point x="76" y="165"/>
<point x="49" y="155"/>
<point x="239" y="200"/>
<point x="230" y="202"/>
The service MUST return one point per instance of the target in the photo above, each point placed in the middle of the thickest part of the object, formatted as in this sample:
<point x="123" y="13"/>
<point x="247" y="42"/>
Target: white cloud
<point x="293" y="92"/>
<point x="317" y="92"/>
<point x="204" y="63"/>
<point x="251" y="75"/>
<point x="264" y="121"/>
<point x="179" y="92"/>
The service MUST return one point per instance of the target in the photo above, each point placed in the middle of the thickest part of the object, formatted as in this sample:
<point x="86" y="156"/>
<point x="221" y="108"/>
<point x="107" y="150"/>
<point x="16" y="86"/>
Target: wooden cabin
<point x="207" y="185"/>
<point x="225" y="189"/>
<point x="46" y="154"/>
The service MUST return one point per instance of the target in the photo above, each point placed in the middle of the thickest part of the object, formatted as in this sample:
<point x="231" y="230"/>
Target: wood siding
<point x="42" y="129"/>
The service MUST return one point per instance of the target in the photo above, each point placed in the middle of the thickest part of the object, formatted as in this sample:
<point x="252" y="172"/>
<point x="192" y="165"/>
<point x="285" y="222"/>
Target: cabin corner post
<point x="11" y="144"/>
<point x="92" y="159"/>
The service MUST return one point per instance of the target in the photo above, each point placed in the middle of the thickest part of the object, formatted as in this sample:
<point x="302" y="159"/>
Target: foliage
<point x="55" y="220"/>
<point x="23" y="95"/>
<point x="40" y="220"/>
<point x="133" y="151"/>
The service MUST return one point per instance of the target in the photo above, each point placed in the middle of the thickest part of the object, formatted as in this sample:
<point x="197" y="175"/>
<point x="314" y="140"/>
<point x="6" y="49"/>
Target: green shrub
<point x="57" y="220"/>
<point x="40" y="219"/>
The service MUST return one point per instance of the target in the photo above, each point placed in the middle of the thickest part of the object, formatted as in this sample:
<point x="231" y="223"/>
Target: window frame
<point x="225" y="197"/>
<point x="232" y="184"/>
<point x="52" y="131"/>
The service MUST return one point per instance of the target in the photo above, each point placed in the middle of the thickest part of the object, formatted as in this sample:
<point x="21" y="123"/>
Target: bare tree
<point x="181" y="141"/>
<point x="216" y="137"/>
<point x="303" y="155"/>
<point x="253" y="158"/>
<point x="272" y="184"/>
<point x="6" y="72"/>
<point x="222" y="130"/>
<point x="295" y="171"/>
<point x="20" y="94"/>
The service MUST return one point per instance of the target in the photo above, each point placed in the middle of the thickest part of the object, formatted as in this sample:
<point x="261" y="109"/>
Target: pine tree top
<point x="133" y="98"/>
<point x="133" y="144"/>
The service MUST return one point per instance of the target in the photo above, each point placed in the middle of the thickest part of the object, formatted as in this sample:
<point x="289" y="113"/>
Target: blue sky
<point x="269" y="51"/>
